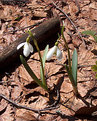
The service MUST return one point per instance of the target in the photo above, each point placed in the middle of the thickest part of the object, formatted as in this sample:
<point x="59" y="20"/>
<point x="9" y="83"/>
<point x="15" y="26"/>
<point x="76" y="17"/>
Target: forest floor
<point x="19" y="87"/>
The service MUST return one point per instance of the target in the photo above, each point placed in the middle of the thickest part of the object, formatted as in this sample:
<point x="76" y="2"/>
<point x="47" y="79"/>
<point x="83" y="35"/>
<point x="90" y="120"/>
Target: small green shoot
<point x="94" y="67"/>
<point x="92" y="33"/>
<point x="18" y="18"/>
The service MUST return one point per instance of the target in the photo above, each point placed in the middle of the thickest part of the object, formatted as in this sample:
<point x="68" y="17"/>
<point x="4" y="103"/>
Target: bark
<point x="46" y="30"/>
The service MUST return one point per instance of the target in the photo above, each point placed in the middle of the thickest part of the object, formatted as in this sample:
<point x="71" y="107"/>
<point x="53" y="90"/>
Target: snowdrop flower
<point x="59" y="54"/>
<point x="28" y="48"/>
<point x="54" y="50"/>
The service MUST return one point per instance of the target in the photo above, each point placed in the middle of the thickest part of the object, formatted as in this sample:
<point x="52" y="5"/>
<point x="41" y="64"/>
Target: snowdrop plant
<point x="28" y="48"/>
<point x="54" y="51"/>
<point x="42" y="81"/>
<point x="71" y="68"/>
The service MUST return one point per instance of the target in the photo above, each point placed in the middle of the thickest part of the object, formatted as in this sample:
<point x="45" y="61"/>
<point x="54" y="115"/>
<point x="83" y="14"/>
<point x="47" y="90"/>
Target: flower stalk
<point x="75" y="90"/>
<point x="31" y="73"/>
<point x="66" y="45"/>
<point x="35" y="43"/>
<point x="71" y="70"/>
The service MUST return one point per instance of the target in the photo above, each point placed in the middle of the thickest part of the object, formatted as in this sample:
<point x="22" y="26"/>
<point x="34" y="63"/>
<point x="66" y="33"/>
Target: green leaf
<point x="42" y="69"/>
<point x="94" y="67"/>
<point x="70" y="76"/>
<point x="44" y="55"/>
<point x="31" y="73"/>
<point x="92" y="33"/>
<point x="95" y="38"/>
<point x="71" y="79"/>
<point x="62" y="30"/>
<point x="89" y="32"/>
<point x="74" y="66"/>
<point x="96" y="76"/>
<point x="18" y="18"/>
<point x="43" y="61"/>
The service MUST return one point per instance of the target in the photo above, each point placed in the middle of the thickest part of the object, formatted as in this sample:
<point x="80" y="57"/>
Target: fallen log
<point x="46" y="30"/>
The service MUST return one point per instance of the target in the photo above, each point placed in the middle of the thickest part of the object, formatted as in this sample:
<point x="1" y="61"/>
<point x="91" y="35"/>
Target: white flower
<point x="59" y="54"/>
<point x="27" y="48"/>
<point x="54" y="50"/>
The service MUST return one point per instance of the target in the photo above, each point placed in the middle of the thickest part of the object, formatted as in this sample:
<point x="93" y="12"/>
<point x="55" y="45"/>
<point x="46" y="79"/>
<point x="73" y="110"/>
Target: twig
<point x="85" y="102"/>
<point x="57" y="90"/>
<point x="58" y="98"/>
<point x="70" y="22"/>
<point x="17" y="105"/>
<point x="25" y="107"/>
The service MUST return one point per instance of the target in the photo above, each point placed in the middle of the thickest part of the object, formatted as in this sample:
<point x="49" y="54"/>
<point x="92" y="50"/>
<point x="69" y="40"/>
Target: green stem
<point x="69" y="68"/>
<point x="35" y="43"/>
<point x="72" y="80"/>
<point x="31" y="73"/>
<point x="69" y="60"/>
<point x="75" y="91"/>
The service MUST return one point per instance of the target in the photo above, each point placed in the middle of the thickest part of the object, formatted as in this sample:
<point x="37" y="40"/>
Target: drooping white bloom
<point x="54" y="50"/>
<point x="59" y="54"/>
<point x="28" y="48"/>
<point x="51" y="52"/>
